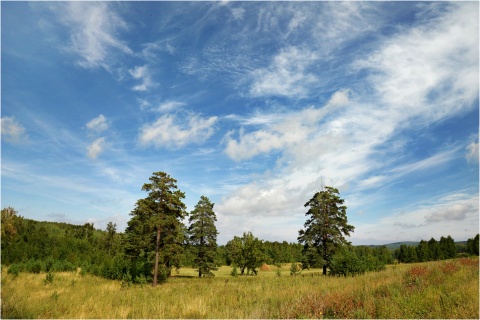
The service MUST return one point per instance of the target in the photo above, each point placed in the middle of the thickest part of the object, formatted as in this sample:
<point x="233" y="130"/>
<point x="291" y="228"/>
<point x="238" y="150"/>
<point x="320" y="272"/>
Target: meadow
<point x="440" y="289"/>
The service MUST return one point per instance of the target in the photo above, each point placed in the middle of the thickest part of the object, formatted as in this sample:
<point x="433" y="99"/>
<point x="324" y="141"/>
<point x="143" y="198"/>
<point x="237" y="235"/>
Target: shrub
<point x="33" y="266"/>
<point x="234" y="272"/>
<point x="48" y="278"/>
<point x="346" y="263"/>
<point x="295" y="269"/>
<point x="14" y="269"/>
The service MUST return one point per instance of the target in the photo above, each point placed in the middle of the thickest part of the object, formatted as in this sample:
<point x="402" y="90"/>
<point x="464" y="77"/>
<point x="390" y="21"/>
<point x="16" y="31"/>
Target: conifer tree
<point x="157" y="226"/>
<point x="203" y="236"/>
<point x="326" y="227"/>
<point x="472" y="245"/>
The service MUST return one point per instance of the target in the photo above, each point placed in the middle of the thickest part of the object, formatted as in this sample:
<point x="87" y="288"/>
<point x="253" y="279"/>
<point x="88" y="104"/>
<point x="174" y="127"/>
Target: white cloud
<point x="472" y="152"/>
<point x="286" y="76"/>
<point x="420" y="76"/>
<point x="12" y="131"/>
<point x="97" y="125"/>
<point x="169" y="106"/>
<point x="238" y="13"/>
<point x="143" y="74"/>
<point x="169" y="131"/>
<point x="451" y="214"/>
<point x="430" y="71"/>
<point x="283" y="131"/>
<point x="96" y="147"/>
<point x="94" y="28"/>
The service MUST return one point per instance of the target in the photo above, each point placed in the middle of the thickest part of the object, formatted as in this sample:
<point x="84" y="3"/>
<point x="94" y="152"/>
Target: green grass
<point x="444" y="289"/>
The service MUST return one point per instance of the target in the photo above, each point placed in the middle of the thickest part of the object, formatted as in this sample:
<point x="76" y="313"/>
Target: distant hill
<point x="396" y="245"/>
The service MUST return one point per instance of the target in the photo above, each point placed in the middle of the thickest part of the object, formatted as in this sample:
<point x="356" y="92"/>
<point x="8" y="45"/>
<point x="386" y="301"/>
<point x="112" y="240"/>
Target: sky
<point x="256" y="105"/>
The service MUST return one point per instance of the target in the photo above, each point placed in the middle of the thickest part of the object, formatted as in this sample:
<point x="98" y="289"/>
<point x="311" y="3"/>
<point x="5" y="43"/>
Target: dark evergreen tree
<point x="156" y="225"/>
<point x="472" y="246"/>
<point x="326" y="227"/>
<point x="423" y="251"/>
<point x="435" y="252"/>
<point x="447" y="247"/>
<point x="203" y="236"/>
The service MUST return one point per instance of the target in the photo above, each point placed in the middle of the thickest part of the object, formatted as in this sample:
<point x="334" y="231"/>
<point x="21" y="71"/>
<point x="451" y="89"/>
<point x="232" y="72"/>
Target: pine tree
<point x="423" y="251"/>
<point x="448" y="248"/>
<point x="435" y="252"/>
<point x="203" y="236"/>
<point x="472" y="245"/>
<point x="326" y="227"/>
<point x="156" y="226"/>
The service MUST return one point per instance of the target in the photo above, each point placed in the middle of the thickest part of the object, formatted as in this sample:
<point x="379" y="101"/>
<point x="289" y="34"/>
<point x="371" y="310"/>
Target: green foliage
<point x="15" y="269"/>
<point x="352" y="261"/>
<point x="160" y="214"/>
<point x="295" y="269"/>
<point x="246" y="252"/>
<point x="33" y="266"/>
<point x="203" y="237"/>
<point x="472" y="246"/>
<point x="48" y="278"/>
<point x="8" y="225"/>
<point x="346" y="263"/>
<point x="326" y="227"/>
<point x="234" y="272"/>
<point x="430" y="250"/>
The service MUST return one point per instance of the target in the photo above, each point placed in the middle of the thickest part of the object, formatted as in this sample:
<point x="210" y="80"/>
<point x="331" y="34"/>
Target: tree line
<point x="156" y="241"/>
<point x="435" y="250"/>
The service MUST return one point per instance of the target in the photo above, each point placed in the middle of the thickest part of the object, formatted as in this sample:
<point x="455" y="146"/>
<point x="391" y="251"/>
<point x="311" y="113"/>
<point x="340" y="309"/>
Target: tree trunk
<point x="324" y="269"/>
<point x="155" y="273"/>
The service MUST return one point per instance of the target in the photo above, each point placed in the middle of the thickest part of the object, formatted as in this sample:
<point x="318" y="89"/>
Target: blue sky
<point x="255" y="105"/>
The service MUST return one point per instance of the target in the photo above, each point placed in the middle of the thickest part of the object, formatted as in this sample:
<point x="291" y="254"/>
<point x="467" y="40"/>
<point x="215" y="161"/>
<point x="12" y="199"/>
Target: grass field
<point x="444" y="289"/>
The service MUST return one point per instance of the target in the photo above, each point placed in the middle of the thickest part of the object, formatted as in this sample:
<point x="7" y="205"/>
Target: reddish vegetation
<point x="264" y="267"/>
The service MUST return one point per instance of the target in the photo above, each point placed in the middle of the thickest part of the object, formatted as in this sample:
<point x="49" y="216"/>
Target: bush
<point x="48" y="278"/>
<point x="234" y="272"/>
<point x="33" y="266"/>
<point x="346" y="263"/>
<point x="295" y="269"/>
<point x="15" y="269"/>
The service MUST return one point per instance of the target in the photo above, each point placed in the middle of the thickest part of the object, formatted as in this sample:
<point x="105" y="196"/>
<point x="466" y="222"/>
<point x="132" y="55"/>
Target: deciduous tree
<point x="246" y="252"/>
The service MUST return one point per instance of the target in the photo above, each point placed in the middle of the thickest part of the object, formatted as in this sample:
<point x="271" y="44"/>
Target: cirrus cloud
<point x="12" y="131"/>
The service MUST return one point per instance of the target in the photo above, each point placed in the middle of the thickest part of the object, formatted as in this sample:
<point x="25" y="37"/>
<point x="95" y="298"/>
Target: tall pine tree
<point x="203" y="236"/>
<point x="156" y="228"/>
<point x="326" y="227"/>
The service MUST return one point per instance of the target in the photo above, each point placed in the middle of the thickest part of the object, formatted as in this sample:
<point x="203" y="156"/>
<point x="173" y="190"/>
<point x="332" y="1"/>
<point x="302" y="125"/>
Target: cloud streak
<point x="94" y="29"/>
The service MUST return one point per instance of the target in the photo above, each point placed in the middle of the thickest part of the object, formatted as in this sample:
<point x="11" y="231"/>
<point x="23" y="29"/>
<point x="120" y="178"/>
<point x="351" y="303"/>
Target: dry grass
<point x="431" y="290"/>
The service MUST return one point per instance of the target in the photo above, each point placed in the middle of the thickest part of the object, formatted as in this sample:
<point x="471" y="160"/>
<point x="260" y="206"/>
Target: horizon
<point x="255" y="105"/>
